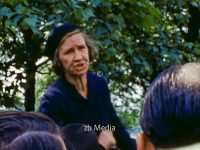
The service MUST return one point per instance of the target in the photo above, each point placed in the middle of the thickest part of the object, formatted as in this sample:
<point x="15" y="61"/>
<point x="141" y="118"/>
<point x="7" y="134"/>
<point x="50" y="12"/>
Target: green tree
<point x="137" y="39"/>
<point x="23" y="29"/>
<point x="21" y="43"/>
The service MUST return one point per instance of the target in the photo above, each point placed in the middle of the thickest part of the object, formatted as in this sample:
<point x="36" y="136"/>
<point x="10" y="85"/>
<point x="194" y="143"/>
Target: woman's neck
<point x="80" y="83"/>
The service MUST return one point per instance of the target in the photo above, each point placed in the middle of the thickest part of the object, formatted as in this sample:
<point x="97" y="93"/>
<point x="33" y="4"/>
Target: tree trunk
<point x="30" y="69"/>
<point x="30" y="87"/>
<point x="194" y="24"/>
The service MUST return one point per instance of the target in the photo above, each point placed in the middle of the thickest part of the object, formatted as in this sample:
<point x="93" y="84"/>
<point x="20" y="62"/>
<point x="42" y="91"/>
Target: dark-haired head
<point x="80" y="138"/>
<point x="36" y="140"/>
<point x="13" y="124"/>
<point x="171" y="111"/>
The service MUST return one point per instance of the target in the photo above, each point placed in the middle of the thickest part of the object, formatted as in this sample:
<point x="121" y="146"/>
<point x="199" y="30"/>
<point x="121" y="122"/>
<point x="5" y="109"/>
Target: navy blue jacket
<point x="65" y="105"/>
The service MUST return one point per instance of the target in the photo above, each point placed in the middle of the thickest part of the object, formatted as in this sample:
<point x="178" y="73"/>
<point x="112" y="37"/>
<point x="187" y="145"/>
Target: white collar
<point x="195" y="146"/>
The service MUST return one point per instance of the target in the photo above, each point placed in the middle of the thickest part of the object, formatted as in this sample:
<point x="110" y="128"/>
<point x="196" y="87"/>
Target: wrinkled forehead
<point x="189" y="73"/>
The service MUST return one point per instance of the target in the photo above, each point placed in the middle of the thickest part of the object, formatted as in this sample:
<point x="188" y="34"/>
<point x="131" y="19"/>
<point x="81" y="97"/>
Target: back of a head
<point x="13" y="124"/>
<point x="80" y="138"/>
<point x="35" y="140"/>
<point x="171" y="112"/>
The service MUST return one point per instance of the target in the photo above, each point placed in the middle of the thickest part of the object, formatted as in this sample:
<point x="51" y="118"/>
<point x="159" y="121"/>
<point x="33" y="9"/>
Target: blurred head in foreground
<point x="15" y="124"/>
<point x="36" y="140"/>
<point x="79" y="137"/>
<point x="170" y="115"/>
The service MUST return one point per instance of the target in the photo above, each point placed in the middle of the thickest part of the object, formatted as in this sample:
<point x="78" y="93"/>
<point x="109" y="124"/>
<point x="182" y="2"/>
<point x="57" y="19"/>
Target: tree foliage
<point x="137" y="39"/>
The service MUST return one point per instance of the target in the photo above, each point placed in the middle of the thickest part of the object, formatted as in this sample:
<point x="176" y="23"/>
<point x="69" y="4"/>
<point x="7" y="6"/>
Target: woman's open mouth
<point x="80" y="67"/>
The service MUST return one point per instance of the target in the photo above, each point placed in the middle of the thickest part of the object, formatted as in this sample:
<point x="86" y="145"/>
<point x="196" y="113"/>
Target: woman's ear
<point x="143" y="143"/>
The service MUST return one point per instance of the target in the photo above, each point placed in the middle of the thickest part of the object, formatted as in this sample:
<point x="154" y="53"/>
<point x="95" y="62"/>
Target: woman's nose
<point x="77" y="55"/>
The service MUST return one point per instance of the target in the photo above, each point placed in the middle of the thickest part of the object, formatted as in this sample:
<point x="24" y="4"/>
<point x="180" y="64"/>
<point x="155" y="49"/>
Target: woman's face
<point x="73" y="55"/>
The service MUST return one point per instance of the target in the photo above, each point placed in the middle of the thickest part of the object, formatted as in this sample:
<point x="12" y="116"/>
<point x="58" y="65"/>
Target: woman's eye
<point x="82" y="47"/>
<point x="67" y="52"/>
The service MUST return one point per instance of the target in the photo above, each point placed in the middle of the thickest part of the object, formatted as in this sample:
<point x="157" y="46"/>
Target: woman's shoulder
<point x="96" y="82"/>
<point x="96" y="78"/>
<point x="55" y="87"/>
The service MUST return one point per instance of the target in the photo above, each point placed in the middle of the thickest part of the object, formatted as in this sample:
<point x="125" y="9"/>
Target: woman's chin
<point x="80" y="72"/>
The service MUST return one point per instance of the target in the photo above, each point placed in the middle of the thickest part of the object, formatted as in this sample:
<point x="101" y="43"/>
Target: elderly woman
<point x="79" y="96"/>
<point x="170" y="117"/>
